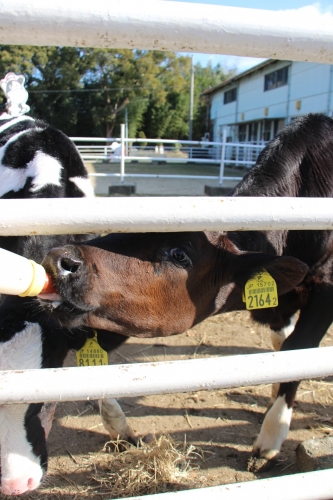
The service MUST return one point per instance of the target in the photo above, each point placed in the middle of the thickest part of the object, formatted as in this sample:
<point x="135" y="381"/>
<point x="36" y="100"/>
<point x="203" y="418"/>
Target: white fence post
<point x="224" y="140"/>
<point x="122" y="154"/>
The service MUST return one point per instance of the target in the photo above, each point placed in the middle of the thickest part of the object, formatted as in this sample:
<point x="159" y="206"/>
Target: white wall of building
<point x="309" y="90"/>
<point x="253" y="101"/>
<point x="310" y="84"/>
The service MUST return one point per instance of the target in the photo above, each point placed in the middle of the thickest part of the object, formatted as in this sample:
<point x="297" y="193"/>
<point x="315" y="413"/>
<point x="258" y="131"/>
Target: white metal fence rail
<point x="56" y="216"/>
<point x="142" y="379"/>
<point x="175" y="26"/>
<point x="309" y="486"/>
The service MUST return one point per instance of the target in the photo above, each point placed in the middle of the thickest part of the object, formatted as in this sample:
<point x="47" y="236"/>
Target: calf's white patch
<point x="20" y="468"/>
<point x="24" y="350"/>
<point x="84" y="185"/>
<point x="274" y="429"/>
<point x="13" y="122"/>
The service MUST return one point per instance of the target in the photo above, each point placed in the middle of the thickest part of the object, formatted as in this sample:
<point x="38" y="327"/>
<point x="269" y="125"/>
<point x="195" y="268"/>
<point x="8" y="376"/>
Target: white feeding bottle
<point x="23" y="277"/>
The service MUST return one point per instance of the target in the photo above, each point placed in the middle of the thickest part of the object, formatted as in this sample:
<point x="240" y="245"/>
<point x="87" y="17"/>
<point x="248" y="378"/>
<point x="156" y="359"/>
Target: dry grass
<point x="121" y="471"/>
<point x="148" y="469"/>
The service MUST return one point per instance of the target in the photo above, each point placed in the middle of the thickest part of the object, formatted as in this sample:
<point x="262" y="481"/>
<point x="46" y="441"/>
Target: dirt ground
<point x="162" y="187"/>
<point x="221" y="425"/>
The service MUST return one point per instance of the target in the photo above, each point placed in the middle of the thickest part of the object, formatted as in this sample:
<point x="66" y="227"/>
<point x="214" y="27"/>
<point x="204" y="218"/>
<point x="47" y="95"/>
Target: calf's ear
<point x="288" y="272"/>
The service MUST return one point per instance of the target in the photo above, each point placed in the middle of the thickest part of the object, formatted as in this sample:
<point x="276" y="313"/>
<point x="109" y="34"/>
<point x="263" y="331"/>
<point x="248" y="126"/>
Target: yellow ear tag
<point x="260" y="292"/>
<point x="91" y="354"/>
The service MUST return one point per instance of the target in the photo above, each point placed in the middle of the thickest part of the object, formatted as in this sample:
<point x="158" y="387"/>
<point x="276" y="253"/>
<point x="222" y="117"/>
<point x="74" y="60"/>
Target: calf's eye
<point x="179" y="256"/>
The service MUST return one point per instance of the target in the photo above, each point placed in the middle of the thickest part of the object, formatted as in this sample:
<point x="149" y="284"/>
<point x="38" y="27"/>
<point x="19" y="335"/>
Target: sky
<point x="307" y="7"/>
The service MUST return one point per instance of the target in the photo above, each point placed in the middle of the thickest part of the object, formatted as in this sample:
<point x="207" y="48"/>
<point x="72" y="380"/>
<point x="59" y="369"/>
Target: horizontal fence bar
<point x="154" y="141"/>
<point x="165" y="176"/>
<point x="142" y="379"/>
<point x="205" y="144"/>
<point x="168" y="214"/>
<point x="165" y="159"/>
<point x="307" y="486"/>
<point x="171" y="26"/>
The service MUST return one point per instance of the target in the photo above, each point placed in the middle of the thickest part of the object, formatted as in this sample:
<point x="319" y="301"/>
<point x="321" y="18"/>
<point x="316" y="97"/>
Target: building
<point x="257" y="103"/>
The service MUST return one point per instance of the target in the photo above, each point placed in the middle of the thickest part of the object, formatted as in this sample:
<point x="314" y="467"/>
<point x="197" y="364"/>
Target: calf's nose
<point x="19" y="485"/>
<point x="63" y="261"/>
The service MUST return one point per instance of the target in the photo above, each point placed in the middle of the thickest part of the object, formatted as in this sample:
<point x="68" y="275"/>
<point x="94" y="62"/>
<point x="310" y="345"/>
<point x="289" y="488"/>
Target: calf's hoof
<point x="121" y="443"/>
<point x="135" y="439"/>
<point x="260" y="464"/>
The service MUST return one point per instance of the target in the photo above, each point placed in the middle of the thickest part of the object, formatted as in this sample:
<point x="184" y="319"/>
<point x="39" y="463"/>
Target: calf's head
<point x="156" y="284"/>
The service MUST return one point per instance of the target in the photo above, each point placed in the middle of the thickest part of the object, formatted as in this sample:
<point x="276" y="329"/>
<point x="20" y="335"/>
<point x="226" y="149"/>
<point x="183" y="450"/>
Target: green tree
<point x="117" y="79"/>
<point x="53" y="93"/>
<point x="52" y="76"/>
<point x="167" y="114"/>
<point x="204" y="78"/>
<point x="86" y="92"/>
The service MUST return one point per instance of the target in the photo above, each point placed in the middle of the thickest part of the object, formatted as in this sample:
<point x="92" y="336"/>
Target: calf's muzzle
<point x="62" y="262"/>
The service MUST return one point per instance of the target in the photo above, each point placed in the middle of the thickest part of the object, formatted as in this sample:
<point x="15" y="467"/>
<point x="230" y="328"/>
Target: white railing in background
<point x="180" y="27"/>
<point x="232" y="154"/>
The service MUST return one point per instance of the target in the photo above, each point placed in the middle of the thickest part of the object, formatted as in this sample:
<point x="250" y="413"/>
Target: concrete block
<point x="217" y="190"/>
<point x="122" y="189"/>
<point x="315" y="454"/>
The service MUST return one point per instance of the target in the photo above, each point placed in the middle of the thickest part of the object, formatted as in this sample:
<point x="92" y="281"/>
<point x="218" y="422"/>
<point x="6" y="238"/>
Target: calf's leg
<point x="275" y="427"/>
<point x="277" y="338"/>
<point x="313" y="323"/>
<point x="113" y="418"/>
<point x="115" y="422"/>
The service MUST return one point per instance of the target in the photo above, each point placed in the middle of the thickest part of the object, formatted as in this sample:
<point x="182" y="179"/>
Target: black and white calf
<point x="37" y="161"/>
<point x="160" y="284"/>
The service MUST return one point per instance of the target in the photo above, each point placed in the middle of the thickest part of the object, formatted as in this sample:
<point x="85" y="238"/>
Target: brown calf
<point x="149" y="285"/>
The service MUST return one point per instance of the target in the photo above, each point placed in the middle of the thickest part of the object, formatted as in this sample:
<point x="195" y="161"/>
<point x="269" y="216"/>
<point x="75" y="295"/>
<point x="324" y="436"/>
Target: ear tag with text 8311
<point x="91" y="354"/>
<point x="260" y="292"/>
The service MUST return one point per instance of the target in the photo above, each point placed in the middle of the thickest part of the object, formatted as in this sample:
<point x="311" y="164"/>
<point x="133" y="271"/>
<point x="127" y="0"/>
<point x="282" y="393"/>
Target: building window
<point x="230" y="96"/>
<point x="242" y="133"/>
<point x="253" y="132"/>
<point x="276" y="79"/>
<point x="266" y="130"/>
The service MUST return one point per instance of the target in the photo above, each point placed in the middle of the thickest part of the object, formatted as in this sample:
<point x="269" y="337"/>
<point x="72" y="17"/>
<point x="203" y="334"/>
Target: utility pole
<point x="191" y="102"/>
<point x="126" y="130"/>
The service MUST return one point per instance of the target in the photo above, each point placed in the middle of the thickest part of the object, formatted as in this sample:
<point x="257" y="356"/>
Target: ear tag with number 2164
<point x="260" y="292"/>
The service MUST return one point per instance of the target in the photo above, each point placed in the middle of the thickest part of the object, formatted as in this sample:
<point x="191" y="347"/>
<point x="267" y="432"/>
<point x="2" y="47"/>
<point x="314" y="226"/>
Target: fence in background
<point x="127" y="150"/>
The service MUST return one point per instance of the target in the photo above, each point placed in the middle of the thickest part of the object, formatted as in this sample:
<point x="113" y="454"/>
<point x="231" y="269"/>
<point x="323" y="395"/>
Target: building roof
<point x="239" y="77"/>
